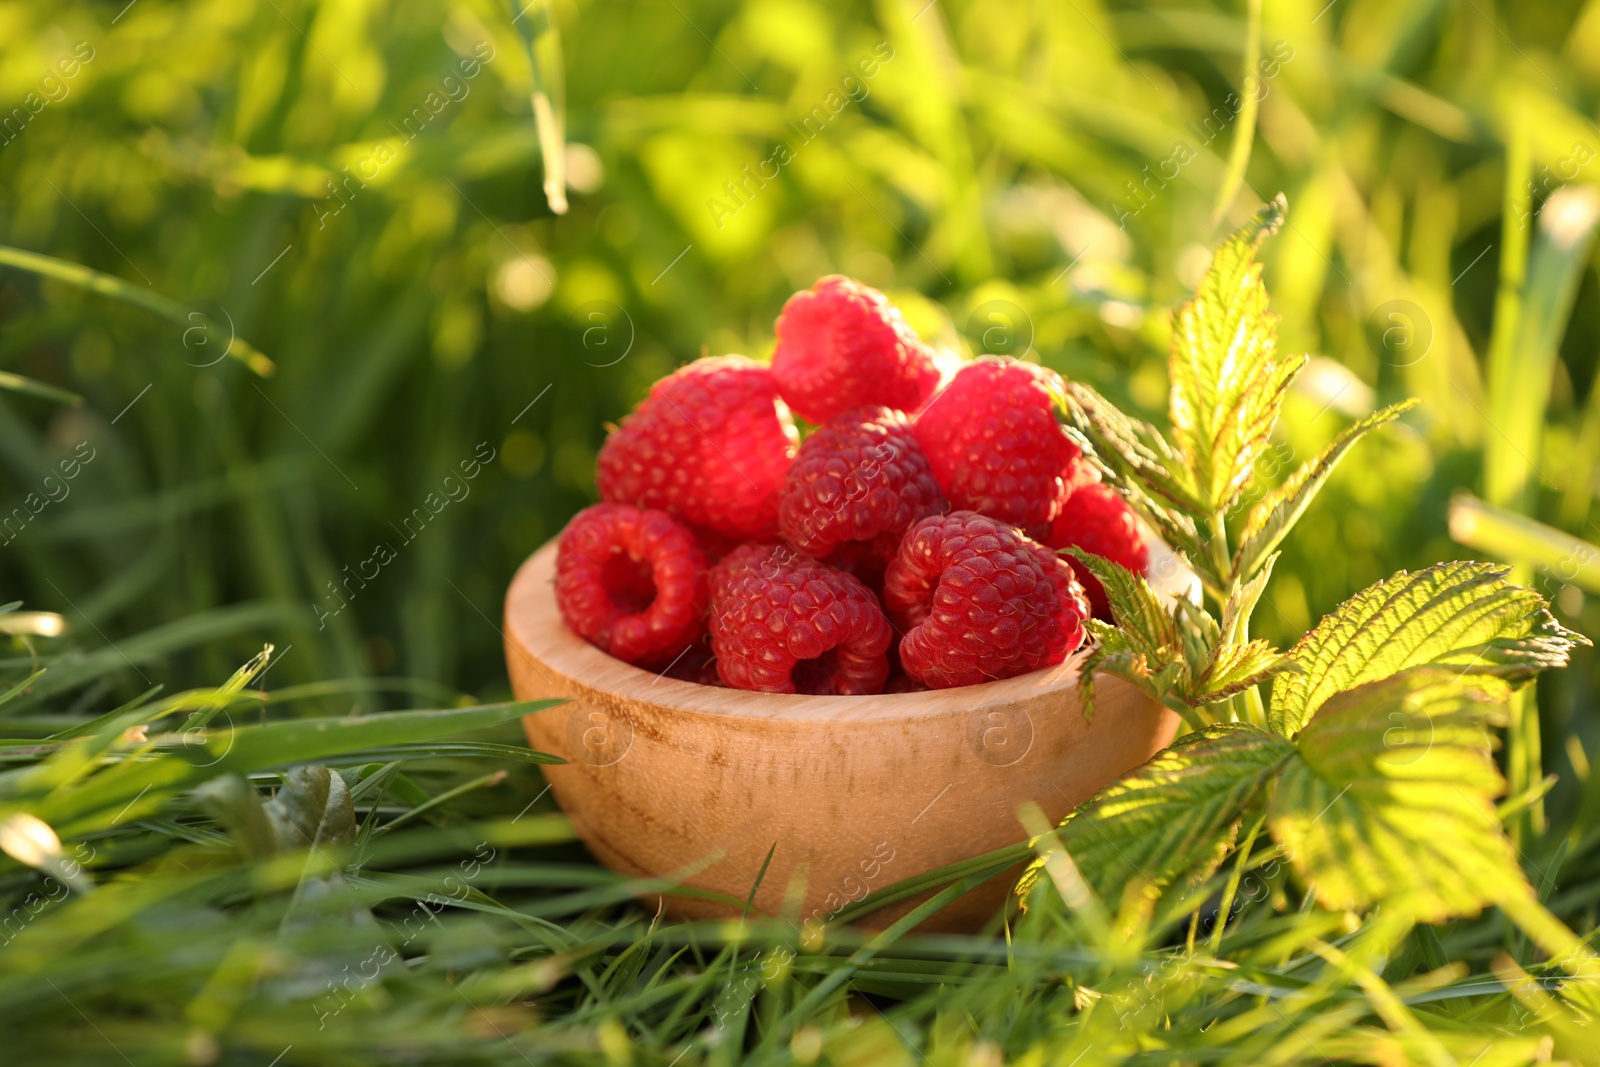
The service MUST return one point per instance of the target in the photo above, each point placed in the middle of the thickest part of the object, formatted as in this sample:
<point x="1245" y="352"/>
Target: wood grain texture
<point x="670" y="778"/>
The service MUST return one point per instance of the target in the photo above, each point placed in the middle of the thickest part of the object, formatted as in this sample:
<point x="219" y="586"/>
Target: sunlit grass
<point x="1437" y="160"/>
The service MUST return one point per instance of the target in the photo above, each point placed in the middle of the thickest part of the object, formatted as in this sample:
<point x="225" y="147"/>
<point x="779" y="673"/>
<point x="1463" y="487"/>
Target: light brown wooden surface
<point x="667" y="777"/>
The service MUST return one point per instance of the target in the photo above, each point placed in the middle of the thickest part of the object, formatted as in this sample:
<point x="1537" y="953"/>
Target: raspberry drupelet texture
<point x="632" y="582"/>
<point x="711" y="444"/>
<point x="1074" y="598"/>
<point x="1096" y="519"/>
<point x="994" y="442"/>
<point x="977" y="601"/>
<point x="860" y="478"/>
<point x="782" y="622"/>
<point x="841" y="344"/>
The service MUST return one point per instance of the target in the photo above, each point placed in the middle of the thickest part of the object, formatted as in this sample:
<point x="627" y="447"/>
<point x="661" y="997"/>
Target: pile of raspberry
<point x="908" y="542"/>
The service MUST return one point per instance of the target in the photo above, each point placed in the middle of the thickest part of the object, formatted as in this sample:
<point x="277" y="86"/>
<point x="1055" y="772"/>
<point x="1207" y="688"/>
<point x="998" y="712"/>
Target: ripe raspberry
<point x="994" y="443"/>
<point x="1077" y="472"/>
<point x="978" y="601"/>
<point x="860" y="478"/>
<point x="1069" y="590"/>
<point x="785" y="623"/>
<point x="710" y="444"/>
<point x="631" y="582"/>
<point x="1097" y="520"/>
<point x="841" y="344"/>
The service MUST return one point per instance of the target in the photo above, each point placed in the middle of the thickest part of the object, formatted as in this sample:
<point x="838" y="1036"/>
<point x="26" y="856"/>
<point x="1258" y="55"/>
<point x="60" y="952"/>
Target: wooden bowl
<point x="857" y="793"/>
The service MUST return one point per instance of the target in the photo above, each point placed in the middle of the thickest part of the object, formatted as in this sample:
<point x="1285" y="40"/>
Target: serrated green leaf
<point x="1175" y="527"/>
<point x="1175" y="817"/>
<point x="1132" y="451"/>
<point x="1275" y="514"/>
<point x="1197" y="636"/>
<point x="1111" y="654"/>
<point x="1390" y="798"/>
<point x="1163" y="677"/>
<point x="1237" y="667"/>
<point x="1242" y="600"/>
<point x="1228" y="381"/>
<point x="1145" y="622"/>
<point x="1463" y="615"/>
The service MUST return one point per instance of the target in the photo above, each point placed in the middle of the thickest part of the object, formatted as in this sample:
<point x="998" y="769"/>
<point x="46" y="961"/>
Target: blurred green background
<point x="358" y="190"/>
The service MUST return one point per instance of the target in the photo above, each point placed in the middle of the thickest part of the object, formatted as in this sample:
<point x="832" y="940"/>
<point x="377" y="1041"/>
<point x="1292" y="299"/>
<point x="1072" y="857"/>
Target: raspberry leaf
<point x="1390" y="798"/>
<point x="1228" y="380"/>
<point x="1173" y="819"/>
<point x="1198" y="636"/>
<point x="1129" y="451"/>
<point x="1272" y="518"/>
<point x="1178" y="655"/>
<point x="1112" y="654"/>
<point x="1146" y="623"/>
<point x="1163" y="676"/>
<point x="1138" y="488"/>
<point x="1386" y="798"/>
<point x="1176" y="529"/>
<point x="1242" y="600"/>
<point x="1146" y="648"/>
<point x="1237" y="667"/>
<point x="1461" y="615"/>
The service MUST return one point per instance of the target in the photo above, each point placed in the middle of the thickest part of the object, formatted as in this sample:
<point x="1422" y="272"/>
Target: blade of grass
<point x="115" y="288"/>
<point x="1244" y="123"/>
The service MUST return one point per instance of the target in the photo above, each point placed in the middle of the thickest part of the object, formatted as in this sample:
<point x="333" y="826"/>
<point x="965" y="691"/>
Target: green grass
<point x="385" y="335"/>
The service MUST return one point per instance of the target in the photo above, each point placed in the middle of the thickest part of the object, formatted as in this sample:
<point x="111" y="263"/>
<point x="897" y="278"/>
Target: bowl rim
<point x="535" y="629"/>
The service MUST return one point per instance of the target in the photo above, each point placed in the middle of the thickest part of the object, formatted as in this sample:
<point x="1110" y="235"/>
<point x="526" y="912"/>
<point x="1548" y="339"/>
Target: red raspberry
<point x="978" y="601"/>
<point x="1096" y="519"/>
<point x="1069" y="590"/>
<point x="994" y="442"/>
<point x="842" y="344"/>
<point x="710" y="444"/>
<point x="1077" y="472"/>
<point x="785" y="623"/>
<point x="860" y="478"/>
<point x="632" y="582"/>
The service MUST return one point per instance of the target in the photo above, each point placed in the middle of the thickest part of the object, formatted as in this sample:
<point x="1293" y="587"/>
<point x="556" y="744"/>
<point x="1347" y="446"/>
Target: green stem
<point x="1221" y="561"/>
<point x="1255" y="708"/>
<point x="1197" y="719"/>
